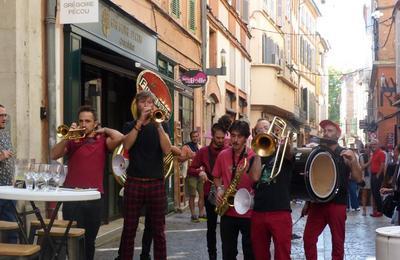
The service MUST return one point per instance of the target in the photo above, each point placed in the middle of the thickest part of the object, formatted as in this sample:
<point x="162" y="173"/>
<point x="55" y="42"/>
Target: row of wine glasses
<point x="44" y="177"/>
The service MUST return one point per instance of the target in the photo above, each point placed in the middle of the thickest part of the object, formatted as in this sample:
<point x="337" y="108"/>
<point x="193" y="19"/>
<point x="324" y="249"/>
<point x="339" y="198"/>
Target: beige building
<point x="287" y="67"/>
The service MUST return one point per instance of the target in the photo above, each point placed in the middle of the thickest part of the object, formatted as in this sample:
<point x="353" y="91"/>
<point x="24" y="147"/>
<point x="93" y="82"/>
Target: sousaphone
<point x="146" y="81"/>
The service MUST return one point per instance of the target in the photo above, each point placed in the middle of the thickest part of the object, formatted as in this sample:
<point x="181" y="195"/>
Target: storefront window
<point x="186" y="116"/>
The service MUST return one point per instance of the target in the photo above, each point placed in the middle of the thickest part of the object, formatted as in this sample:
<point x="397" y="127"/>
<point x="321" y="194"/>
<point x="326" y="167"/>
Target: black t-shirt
<point x="344" y="175"/>
<point x="274" y="195"/>
<point x="146" y="156"/>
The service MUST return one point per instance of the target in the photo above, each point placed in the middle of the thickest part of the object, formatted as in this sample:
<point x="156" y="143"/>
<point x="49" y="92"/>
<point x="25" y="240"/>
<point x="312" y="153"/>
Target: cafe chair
<point x="5" y="227"/>
<point x="75" y="241"/>
<point x="35" y="225"/>
<point x="19" y="251"/>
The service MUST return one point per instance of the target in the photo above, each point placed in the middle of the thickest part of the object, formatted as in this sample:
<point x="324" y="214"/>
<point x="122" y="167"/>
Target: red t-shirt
<point x="378" y="158"/>
<point x="86" y="161"/>
<point x="202" y="159"/>
<point x="223" y="170"/>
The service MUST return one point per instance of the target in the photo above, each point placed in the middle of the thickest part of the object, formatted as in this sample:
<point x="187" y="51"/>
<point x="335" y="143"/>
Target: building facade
<point x="382" y="86"/>
<point x="227" y="45"/>
<point x="288" y="69"/>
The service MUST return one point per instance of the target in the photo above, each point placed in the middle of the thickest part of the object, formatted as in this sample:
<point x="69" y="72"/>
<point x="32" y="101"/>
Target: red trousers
<point x="320" y="215"/>
<point x="275" y="224"/>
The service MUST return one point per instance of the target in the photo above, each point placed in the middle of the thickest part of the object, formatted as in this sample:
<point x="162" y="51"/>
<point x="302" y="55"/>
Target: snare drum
<point x="315" y="176"/>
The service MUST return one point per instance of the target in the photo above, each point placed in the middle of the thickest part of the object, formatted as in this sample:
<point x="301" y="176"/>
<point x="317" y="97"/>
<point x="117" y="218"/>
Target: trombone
<point x="65" y="132"/>
<point x="270" y="143"/>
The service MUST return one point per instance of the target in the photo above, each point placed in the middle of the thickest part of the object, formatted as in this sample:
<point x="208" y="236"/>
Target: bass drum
<point x="315" y="176"/>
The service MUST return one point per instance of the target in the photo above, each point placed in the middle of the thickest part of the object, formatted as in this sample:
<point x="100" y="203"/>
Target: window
<point x="175" y="8"/>
<point x="186" y="116"/>
<point x="230" y="100"/>
<point x="192" y="15"/>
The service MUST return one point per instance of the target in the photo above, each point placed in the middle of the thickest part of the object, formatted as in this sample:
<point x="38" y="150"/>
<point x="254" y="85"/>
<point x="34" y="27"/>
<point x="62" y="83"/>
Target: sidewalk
<point x="187" y="240"/>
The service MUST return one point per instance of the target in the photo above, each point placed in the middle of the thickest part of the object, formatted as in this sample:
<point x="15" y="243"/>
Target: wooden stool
<point x="18" y="251"/>
<point x="75" y="241"/>
<point x="5" y="227"/>
<point x="35" y="225"/>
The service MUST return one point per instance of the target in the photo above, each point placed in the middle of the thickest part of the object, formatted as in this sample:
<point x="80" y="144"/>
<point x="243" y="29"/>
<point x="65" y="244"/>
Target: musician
<point x="226" y="165"/>
<point x="202" y="165"/>
<point x="147" y="142"/>
<point x="86" y="162"/>
<point x="271" y="213"/>
<point x="331" y="213"/>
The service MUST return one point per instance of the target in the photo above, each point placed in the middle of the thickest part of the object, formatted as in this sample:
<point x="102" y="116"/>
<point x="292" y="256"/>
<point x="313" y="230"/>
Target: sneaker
<point x="357" y="209"/>
<point x="203" y="218"/>
<point x="195" y="219"/>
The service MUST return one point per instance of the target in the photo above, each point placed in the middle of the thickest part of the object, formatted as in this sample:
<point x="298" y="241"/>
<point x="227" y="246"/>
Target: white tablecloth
<point x="11" y="193"/>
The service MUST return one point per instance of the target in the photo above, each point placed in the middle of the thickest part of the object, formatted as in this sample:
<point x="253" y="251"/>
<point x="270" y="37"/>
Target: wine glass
<point x="55" y="171"/>
<point x="40" y="183"/>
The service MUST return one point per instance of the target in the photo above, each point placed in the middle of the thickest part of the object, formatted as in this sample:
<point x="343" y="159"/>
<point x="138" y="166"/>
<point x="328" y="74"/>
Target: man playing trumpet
<point x="147" y="142"/>
<point x="86" y="162"/>
<point x="271" y="216"/>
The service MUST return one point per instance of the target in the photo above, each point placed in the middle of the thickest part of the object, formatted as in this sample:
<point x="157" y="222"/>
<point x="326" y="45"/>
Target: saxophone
<point x="229" y="195"/>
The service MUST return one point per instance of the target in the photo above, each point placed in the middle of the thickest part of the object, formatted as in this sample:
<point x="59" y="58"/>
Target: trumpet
<point x="158" y="116"/>
<point x="64" y="132"/>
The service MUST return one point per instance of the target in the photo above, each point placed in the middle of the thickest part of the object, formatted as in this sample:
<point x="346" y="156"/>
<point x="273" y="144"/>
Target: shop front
<point x="101" y="64"/>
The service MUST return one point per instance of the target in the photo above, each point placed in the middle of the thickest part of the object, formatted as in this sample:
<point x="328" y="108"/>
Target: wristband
<point x="137" y="129"/>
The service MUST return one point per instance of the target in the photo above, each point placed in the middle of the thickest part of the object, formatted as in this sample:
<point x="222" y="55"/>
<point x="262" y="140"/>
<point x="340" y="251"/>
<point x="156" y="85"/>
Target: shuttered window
<point x="192" y="15"/>
<point x="175" y="8"/>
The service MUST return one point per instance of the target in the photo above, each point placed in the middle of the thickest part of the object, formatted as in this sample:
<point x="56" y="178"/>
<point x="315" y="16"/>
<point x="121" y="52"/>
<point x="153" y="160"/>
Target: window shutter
<point x="175" y="8"/>
<point x="245" y="15"/>
<point x="192" y="15"/>
<point x="264" y="48"/>
<point x="270" y="48"/>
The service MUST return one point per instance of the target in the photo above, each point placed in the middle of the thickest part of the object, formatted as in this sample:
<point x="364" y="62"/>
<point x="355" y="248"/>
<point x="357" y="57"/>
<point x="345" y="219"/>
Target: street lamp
<point x="221" y="70"/>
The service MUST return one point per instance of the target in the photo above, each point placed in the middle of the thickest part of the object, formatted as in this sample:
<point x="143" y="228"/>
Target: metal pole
<point x="50" y="21"/>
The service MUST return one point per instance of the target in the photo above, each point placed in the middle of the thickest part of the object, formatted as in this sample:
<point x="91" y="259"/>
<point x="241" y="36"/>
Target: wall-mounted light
<point x="221" y="70"/>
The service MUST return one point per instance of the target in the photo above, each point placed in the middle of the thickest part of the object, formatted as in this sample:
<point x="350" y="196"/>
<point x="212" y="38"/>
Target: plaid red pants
<point x="137" y="194"/>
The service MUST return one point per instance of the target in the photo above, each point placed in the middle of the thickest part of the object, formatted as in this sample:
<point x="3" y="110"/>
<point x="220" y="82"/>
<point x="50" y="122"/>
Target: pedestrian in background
<point x="378" y="161"/>
<point x="365" y="161"/>
<point x="6" y="173"/>
<point x="194" y="183"/>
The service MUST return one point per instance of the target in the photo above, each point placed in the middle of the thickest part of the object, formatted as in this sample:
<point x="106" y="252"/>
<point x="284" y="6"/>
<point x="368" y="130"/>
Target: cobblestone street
<point x="186" y="240"/>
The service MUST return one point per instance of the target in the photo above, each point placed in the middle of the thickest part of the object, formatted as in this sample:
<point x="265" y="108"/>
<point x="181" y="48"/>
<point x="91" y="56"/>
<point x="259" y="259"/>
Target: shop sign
<point x="117" y="29"/>
<point x="79" y="11"/>
<point x="194" y="78"/>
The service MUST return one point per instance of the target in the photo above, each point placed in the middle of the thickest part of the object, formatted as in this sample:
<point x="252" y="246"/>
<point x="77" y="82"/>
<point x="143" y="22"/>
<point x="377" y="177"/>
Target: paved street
<point x="186" y="240"/>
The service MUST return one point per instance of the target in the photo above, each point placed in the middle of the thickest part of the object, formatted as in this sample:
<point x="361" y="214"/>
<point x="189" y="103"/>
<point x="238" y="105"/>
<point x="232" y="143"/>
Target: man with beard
<point x="6" y="173"/>
<point x="147" y="143"/>
<point x="86" y="162"/>
<point x="271" y="216"/>
<point x="202" y="165"/>
<point x="332" y="213"/>
<point x="227" y="166"/>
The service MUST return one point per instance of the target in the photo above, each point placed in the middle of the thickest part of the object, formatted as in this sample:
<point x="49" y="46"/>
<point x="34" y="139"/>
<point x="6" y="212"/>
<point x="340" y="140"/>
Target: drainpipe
<point x="50" y="21"/>
<point x="204" y="34"/>
<point x="204" y="55"/>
